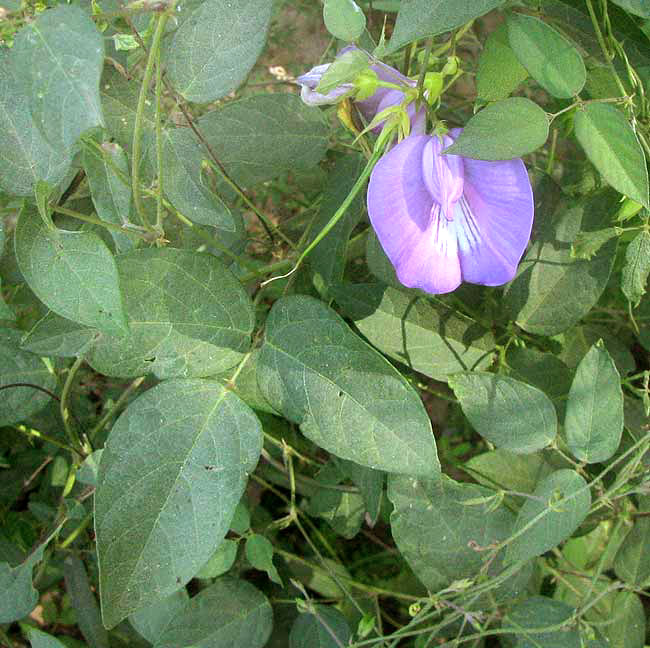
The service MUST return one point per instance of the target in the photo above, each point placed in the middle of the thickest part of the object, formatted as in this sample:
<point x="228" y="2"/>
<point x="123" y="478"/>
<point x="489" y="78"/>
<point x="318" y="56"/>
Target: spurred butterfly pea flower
<point x="382" y="98"/>
<point x="444" y="219"/>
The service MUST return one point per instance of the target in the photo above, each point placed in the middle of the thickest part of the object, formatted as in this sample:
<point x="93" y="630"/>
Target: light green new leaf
<point x="259" y="553"/>
<point x="425" y="18"/>
<point x="261" y="137"/>
<point x="549" y="57"/>
<point x="227" y="614"/>
<point x="38" y="639"/>
<point x="637" y="7"/>
<point x="56" y="336"/>
<point x="594" y="412"/>
<point x="435" y="525"/>
<point x="176" y="450"/>
<point x="215" y="47"/>
<point x="561" y="502"/>
<point x="25" y="155"/>
<point x="57" y="60"/>
<point x="84" y="602"/>
<point x="151" y="621"/>
<point x="344" y="19"/>
<point x="537" y="298"/>
<point x="499" y="72"/>
<point x="344" y="69"/>
<point x="184" y="183"/>
<point x="110" y="194"/>
<point x="16" y="366"/>
<point x="539" y="612"/>
<point x="427" y="337"/>
<point x="327" y="260"/>
<point x="508" y="413"/>
<point x="314" y="630"/>
<point x="502" y="131"/>
<point x="188" y="316"/>
<point x="613" y="148"/>
<point x="72" y="273"/>
<point x="637" y="267"/>
<point x="344" y="395"/>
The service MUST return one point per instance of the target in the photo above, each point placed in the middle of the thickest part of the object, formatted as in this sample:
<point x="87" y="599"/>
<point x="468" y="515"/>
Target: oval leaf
<point x="549" y="57"/>
<point x="57" y="59"/>
<point x="503" y="130"/>
<point x="344" y="19"/>
<point x="215" y="46"/>
<point x="72" y="273"/>
<point x="16" y="366"/>
<point x="560" y="503"/>
<point x="229" y="613"/>
<point x="153" y="533"/>
<point x="57" y="336"/>
<point x="344" y="395"/>
<point x="188" y="317"/>
<point x="151" y="621"/>
<point x="594" y="412"/>
<point x="319" y="629"/>
<point x="430" y="338"/>
<point x="632" y="561"/>
<point x="508" y="413"/>
<point x="613" y="148"/>
<point x="637" y="267"/>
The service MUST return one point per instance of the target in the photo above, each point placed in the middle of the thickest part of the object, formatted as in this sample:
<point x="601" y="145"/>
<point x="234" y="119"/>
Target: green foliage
<point x="344" y="19"/>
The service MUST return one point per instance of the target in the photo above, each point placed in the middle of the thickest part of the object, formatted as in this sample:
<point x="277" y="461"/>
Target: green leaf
<point x="343" y="511"/>
<point x="344" y="395"/>
<point x="229" y="613"/>
<point x="502" y="131"/>
<point x="424" y="18"/>
<point x="57" y="336"/>
<point x="637" y="7"/>
<point x="508" y="413"/>
<point x="184" y="183"/>
<point x="259" y="553"/>
<point x="31" y="157"/>
<point x="261" y="137"/>
<point x="327" y="260"/>
<point x="560" y="503"/>
<point x="344" y="19"/>
<point x="83" y="602"/>
<point x="629" y="627"/>
<point x="215" y="46"/>
<point x="152" y="533"/>
<point x="632" y="561"/>
<point x="636" y="268"/>
<point x="538" y="612"/>
<point x="18" y="597"/>
<point x="594" y="413"/>
<point x="188" y="316"/>
<point x="72" y="273"/>
<point x="613" y="148"/>
<point x="537" y="298"/>
<point x="87" y="472"/>
<point x="370" y="483"/>
<point x="588" y="243"/>
<point x="38" y="639"/>
<point x="315" y="629"/>
<point x="151" y="621"/>
<point x="499" y="72"/>
<point x="430" y="338"/>
<point x="437" y="531"/>
<point x="344" y="69"/>
<point x="550" y="58"/>
<point x="110" y="194"/>
<point x="5" y="312"/>
<point x="221" y="560"/>
<point x="57" y="60"/>
<point x="16" y="366"/>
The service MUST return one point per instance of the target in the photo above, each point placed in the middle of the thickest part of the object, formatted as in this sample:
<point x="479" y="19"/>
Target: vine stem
<point x="63" y="405"/>
<point x="139" y="115"/>
<point x="116" y="406"/>
<point x="159" y="145"/>
<point x="97" y="221"/>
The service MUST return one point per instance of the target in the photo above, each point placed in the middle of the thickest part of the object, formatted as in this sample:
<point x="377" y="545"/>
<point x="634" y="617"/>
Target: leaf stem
<point x="102" y="223"/>
<point x="72" y="435"/>
<point x="159" y="147"/>
<point x="115" y="407"/>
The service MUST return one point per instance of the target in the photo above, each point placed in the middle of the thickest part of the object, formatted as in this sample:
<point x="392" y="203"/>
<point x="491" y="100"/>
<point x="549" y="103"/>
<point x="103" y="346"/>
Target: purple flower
<point x="383" y="97"/>
<point x="444" y="219"/>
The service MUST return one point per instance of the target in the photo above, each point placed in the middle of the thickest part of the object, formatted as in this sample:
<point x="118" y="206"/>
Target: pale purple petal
<point x="497" y="212"/>
<point x="443" y="174"/>
<point x="418" y="242"/>
<point x="310" y="80"/>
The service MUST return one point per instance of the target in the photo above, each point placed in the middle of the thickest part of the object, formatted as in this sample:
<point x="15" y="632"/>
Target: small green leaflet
<point x="550" y="58"/>
<point x="344" y="19"/>
<point x="613" y="148"/>
<point x="343" y="394"/>
<point x="505" y="411"/>
<point x="315" y="629"/>
<point x="594" y="412"/>
<point x="259" y="553"/>
<point x="484" y="136"/>
<point x="637" y="267"/>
